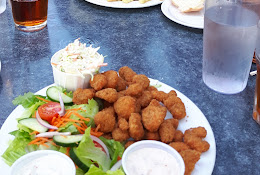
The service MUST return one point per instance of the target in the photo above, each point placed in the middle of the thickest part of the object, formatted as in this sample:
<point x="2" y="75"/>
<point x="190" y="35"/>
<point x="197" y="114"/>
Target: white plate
<point x="194" y="118"/>
<point x="120" y="4"/>
<point x="191" y="19"/>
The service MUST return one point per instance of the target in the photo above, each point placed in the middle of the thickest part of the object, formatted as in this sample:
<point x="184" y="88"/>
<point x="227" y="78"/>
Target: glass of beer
<point x="29" y="15"/>
<point x="256" y="112"/>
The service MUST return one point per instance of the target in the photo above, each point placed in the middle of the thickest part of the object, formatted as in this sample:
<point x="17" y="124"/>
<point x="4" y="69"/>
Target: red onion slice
<point x="62" y="110"/>
<point x="51" y="134"/>
<point x="101" y="143"/>
<point x="117" y="165"/>
<point x="44" y="123"/>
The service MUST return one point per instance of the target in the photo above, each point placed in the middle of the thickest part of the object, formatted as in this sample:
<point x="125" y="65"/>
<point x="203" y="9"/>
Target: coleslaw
<point x="76" y="58"/>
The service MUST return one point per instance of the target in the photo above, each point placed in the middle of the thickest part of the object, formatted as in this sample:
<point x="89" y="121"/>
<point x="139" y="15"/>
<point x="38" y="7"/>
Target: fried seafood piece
<point x="99" y="82"/>
<point x="136" y="129"/>
<point x="106" y="119"/>
<point x="108" y="94"/>
<point x="193" y="137"/>
<point x="178" y="137"/>
<point x="145" y="99"/>
<point x="178" y="111"/>
<point x="176" y="107"/>
<point x="152" y="88"/>
<point x="167" y="131"/>
<point x="108" y="135"/>
<point x="142" y="80"/>
<point x="179" y="146"/>
<point x="159" y="95"/>
<point x="112" y="78"/>
<point x="81" y="96"/>
<point x="174" y="122"/>
<point x="172" y="93"/>
<point x="126" y="73"/>
<point x="151" y="135"/>
<point x="123" y="124"/>
<point x="171" y="100"/>
<point x="121" y="84"/>
<point x="124" y="106"/>
<point x="120" y="135"/>
<point x="128" y="143"/>
<point x="135" y="90"/>
<point x="153" y="115"/>
<point x="190" y="158"/>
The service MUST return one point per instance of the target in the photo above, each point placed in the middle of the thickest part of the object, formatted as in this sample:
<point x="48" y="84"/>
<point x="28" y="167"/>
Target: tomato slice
<point x="49" y="110"/>
<point x="99" y="146"/>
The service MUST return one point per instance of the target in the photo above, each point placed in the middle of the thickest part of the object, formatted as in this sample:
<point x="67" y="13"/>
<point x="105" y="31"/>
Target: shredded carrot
<point x="43" y="143"/>
<point x="67" y="151"/>
<point x="54" y="64"/>
<point x="59" y="124"/>
<point x="81" y="117"/>
<point x="74" y="109"/>
<point x="72" y="120"/>
<point x="53" y="119"/>
<point x="94" y="133"/>
<point x="83" y="125"/>
<point x="42" y="99"/>
<point x="35" y="140"/>
<point x="67" y="114"/>
<point x="80" y="129"/>
<point x="97" y="128"/>
<point x="34" y="132"/>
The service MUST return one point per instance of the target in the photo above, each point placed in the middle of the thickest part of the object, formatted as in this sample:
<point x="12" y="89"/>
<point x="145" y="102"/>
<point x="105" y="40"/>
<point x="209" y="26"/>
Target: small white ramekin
<point x="32" y="156"/>
<point x="68" y="80"/>
<point x="152" y="144"/>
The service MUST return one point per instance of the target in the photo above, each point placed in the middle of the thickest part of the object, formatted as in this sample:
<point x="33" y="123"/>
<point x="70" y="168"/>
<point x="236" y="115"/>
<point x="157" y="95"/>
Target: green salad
<point x="53" y="122"/>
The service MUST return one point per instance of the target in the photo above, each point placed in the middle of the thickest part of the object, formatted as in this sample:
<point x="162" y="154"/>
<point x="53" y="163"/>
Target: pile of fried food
<point x="127" y="1"/>
<point x="134" y="110"/>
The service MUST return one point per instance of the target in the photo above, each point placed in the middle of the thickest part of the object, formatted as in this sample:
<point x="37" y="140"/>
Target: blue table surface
<point x="148" y="42"/>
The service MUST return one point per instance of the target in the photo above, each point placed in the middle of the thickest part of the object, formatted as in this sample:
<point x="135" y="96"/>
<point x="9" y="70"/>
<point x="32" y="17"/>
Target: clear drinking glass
<point x="229" y="39"/>
<point x="29" y="15"/>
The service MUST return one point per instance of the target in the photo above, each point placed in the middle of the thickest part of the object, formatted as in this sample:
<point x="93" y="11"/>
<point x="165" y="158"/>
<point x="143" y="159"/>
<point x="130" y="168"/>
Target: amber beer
<point x="256" y="113"/>
<point x="30" y="15"/>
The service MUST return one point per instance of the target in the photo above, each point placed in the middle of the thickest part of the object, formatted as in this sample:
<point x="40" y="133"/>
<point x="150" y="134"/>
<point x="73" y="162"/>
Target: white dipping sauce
<point x="46" y="165"/>
<point x="151" y="161"/>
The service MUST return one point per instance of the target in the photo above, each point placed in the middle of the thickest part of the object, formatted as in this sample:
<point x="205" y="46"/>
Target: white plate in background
<point x="190" y="19"/>
<point x="120" y="4"/>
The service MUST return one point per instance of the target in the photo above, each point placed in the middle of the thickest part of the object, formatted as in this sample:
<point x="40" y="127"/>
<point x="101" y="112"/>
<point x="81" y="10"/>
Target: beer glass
<point x="229" y="40"/>
<point x="256" y="112"/>
<point x="29" y="15"/>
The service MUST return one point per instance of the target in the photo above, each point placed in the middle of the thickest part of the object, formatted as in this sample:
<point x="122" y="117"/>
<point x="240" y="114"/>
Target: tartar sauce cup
<point x="44" y="162"/>
<point x="68" y="80"/>
<point x="154" y="157"/>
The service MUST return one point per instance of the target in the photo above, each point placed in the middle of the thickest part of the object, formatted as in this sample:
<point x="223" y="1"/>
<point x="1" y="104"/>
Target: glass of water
<point x="229" y="41"/>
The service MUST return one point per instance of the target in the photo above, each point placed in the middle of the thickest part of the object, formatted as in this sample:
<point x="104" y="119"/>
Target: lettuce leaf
<point x="87" y="151"/>
<point x="29" y="111"/>
<point x="17" y="147"/>
<point x="26" y="100"/>
<point x="93" y="170"/>
<point x="115" y="148"/>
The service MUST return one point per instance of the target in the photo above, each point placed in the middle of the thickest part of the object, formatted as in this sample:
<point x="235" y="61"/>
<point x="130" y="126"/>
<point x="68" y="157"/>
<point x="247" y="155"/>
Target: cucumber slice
<point x="53" y="94"/>
<point x="33" y="124"/>
<point x="77" y="161"/>
<point x="67" y="141"/>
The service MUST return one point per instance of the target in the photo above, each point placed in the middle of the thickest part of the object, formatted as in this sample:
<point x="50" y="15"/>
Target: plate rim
<point x="120" y="4"/>
<point x="165" y="7"/>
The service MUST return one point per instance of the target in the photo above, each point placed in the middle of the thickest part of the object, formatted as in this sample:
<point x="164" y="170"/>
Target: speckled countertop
<point x="148" y="42"/>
